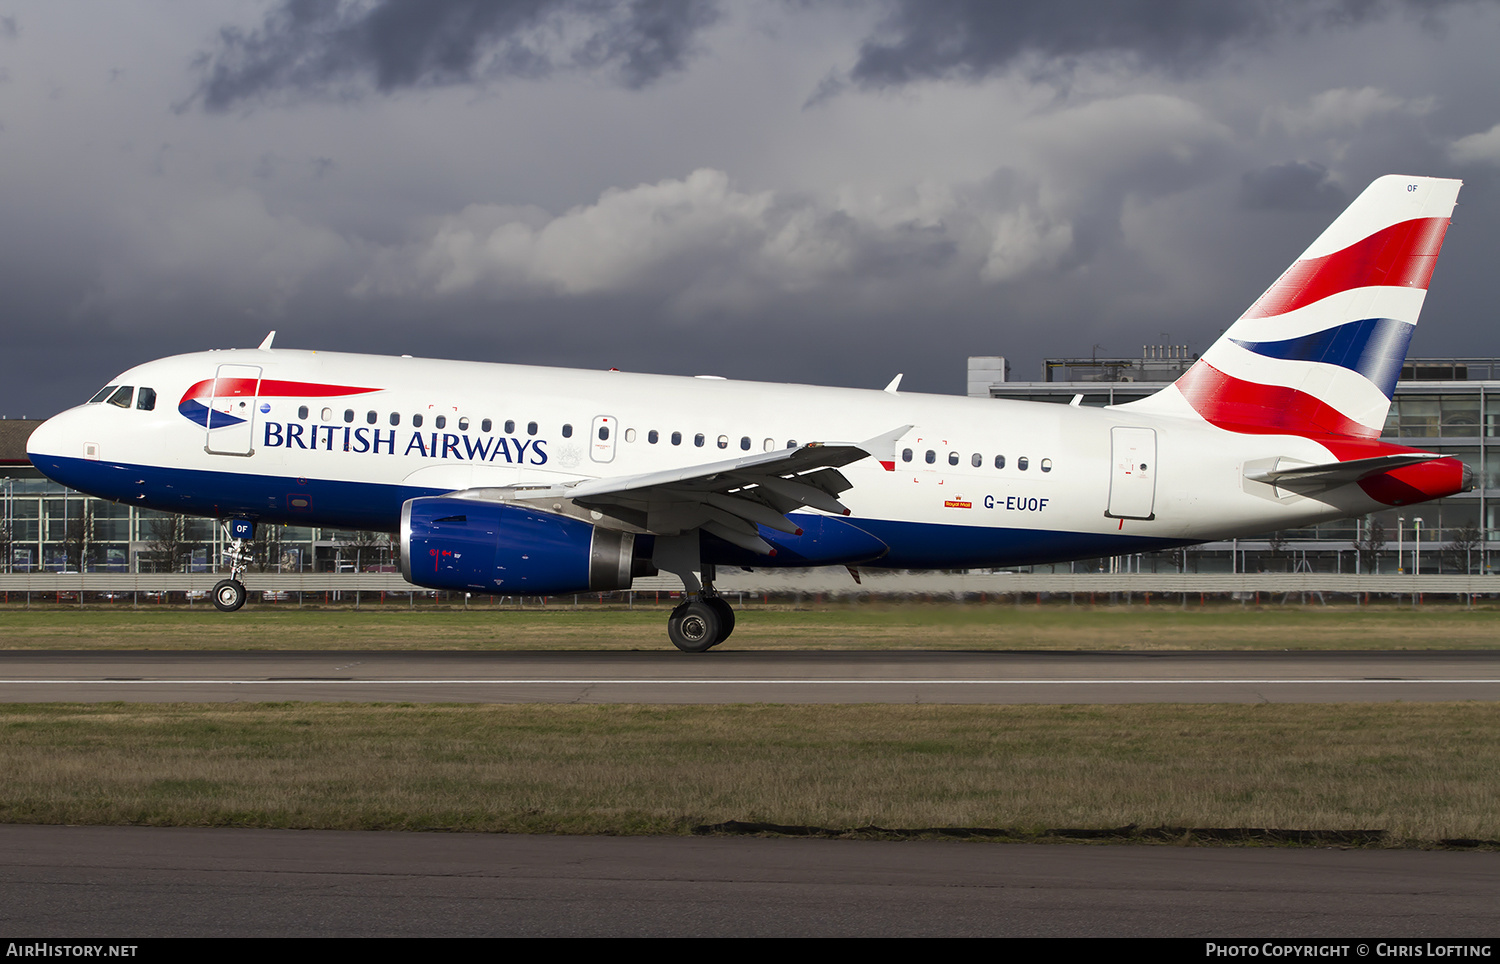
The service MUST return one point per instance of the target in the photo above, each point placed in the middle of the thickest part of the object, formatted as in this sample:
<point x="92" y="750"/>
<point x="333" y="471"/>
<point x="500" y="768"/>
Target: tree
<point x="1369" y="545"/>
<point x="1279" y="544"/>
<point x="265" y="548"/>
<point x="363" y="549"/>
<point x="167" y="541"/>
<point x="78" y="540"/>
<point x="1460" y="551"/>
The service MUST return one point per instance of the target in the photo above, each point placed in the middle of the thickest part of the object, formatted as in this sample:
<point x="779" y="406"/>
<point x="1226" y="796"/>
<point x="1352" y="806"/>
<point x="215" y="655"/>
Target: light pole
<point x="1400" y="538"/>
<point x="1418" y="565"/>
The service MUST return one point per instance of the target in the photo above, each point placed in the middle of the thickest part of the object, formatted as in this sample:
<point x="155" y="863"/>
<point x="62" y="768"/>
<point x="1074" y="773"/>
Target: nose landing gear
<point x="229" y="594"/>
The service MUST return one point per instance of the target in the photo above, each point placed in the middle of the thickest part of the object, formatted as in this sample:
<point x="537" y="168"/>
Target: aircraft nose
<point x="48" y="438"/>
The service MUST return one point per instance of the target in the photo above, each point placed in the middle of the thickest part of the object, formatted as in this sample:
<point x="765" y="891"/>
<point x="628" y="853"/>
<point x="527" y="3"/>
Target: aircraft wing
<point x="727" y="498"/>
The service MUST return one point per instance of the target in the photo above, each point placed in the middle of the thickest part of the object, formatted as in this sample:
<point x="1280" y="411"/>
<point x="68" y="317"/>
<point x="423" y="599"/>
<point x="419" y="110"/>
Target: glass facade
<point x="46" y="527"/>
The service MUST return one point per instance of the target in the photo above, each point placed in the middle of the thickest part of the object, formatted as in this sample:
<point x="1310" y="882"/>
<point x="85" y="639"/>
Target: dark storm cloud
<point x="321" y="47"/>
<point x="1295" y="186"/>
<point x="974" y="38"/>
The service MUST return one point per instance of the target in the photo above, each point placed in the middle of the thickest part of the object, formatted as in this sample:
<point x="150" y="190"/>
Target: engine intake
<point x="491" y="547"/>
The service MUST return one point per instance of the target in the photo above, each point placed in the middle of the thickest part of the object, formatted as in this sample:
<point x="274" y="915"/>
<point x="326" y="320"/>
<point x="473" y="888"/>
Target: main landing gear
<point x="705" y="620"/>
<point x="229" y="594"/>
<point x="700" y="624"/>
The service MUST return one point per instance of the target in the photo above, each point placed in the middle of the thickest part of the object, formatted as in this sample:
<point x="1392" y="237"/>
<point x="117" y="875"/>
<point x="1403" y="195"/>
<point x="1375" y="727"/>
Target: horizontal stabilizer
<point x="1337" y="473"/>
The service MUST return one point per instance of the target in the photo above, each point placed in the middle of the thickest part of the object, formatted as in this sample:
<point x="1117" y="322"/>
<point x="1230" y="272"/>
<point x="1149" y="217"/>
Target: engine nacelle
<point x="490" y="547"/>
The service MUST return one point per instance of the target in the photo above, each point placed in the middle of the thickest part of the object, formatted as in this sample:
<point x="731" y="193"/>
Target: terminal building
<point x="1450" y="406"/>
<point x="1446" y="405"/>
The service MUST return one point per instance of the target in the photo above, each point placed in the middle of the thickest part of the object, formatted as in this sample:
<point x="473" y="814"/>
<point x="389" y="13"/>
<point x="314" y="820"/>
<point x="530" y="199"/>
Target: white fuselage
<point x="332" y="439"/>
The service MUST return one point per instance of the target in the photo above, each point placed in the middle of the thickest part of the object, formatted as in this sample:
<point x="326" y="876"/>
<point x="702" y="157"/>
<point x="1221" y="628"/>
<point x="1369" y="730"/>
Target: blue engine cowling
<point x="490" y="547"/>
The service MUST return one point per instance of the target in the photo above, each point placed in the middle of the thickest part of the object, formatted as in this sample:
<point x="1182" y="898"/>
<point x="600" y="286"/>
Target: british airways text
<point x="429" y="445"/>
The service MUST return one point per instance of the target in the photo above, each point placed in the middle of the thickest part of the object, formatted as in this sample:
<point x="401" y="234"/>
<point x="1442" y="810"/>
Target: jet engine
<point x="492" y="547"/>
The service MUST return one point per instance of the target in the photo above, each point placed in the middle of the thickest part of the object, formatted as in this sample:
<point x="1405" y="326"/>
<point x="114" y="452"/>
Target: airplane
<point x="520" y="480"/>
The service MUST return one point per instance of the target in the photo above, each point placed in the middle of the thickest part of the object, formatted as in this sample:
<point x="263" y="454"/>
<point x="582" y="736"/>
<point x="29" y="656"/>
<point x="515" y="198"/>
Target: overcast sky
<point x="826" y="192"/>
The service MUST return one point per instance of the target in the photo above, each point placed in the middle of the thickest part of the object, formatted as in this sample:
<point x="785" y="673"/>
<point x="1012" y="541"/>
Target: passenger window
<point x="745" y="444"/>
<point x="999" y="461"/>
<point x="463" y="424"/>
<point x="486" y="425"/>
<point x="348" y="414"/>
<point x="952" y="458"/>
<point x="440" y="422"/>
<point x="371" y="417"/>
<point x="327" y="414"/>
<point x="723" y="441"/>
<point x="652" y="436"/>
<point x="302" y="411"/>
<point x="676" y="438"/>
<point x="906" y="455"/>
<point x="604" y="433"/>
<point x="630" y="435"/>
<point x="416" y="421"/>
<point x="567" y="431"/>
<point x="530" y="428"/>
<point x="1046" y="465"/>
<point x="146" y="400"/>
<point x="103" y="394"/>
<point x="931" y="456"/>
<point x="977" y="460"/>
<point x="698" y="440"/>
<point x="395" y="419"/>
<point x="510" y="426"/>
<point x="770" y="444"/>
<point x="122" y="395"/>
<point x="1022" y="463"/>
<point x="791" y="443"/>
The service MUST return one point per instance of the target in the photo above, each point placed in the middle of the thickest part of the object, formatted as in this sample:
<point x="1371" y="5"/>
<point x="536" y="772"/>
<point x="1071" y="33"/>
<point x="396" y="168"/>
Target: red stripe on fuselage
<point x="1254" y="409"/>
<point x="269" y="387"/>
<point x="1402" y="255"/>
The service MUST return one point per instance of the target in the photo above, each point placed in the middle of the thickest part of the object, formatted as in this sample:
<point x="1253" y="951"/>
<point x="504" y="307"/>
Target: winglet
<point x="266" y="345"/>
<point x="882" y="448"/>
<point x="895" y="383"/>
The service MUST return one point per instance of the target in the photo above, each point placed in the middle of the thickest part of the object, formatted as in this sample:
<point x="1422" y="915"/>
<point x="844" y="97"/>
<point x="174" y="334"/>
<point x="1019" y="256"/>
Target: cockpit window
<point x="103" y="394"/>
<point x="122" y="396"/>
<point x="146" y="400"/>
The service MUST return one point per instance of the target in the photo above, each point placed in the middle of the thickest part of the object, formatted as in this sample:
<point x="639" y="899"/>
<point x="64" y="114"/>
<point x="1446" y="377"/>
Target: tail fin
<point x="1319" y="353"/>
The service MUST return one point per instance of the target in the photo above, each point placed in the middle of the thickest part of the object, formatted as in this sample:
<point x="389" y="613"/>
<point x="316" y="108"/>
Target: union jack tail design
<point x="1319" y="353"/>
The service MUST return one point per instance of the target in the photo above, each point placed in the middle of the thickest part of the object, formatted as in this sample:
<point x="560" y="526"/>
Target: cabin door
<point x="1132" y="481"/>
<point x="231" y="411"/>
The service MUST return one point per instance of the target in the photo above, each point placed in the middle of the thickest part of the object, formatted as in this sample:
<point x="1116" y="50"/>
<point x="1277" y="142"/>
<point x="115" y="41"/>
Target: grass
<point x="972" y="626"/>
<point x="1423" y="773"/>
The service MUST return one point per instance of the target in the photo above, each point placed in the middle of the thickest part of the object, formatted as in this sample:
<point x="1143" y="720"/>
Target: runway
<point x="750" y="677"/>
<point x="122" y="882"/>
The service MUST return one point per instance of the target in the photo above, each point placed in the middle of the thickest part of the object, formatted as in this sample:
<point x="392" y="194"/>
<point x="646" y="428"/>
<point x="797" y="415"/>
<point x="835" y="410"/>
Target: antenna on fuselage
<point x="266" y="345"/>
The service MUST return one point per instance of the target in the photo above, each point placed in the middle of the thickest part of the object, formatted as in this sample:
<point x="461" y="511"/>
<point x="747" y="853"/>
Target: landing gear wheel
<point x="726" y="617"/>
<point x="229" y="595"/>
<point x="694" y="627"/>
